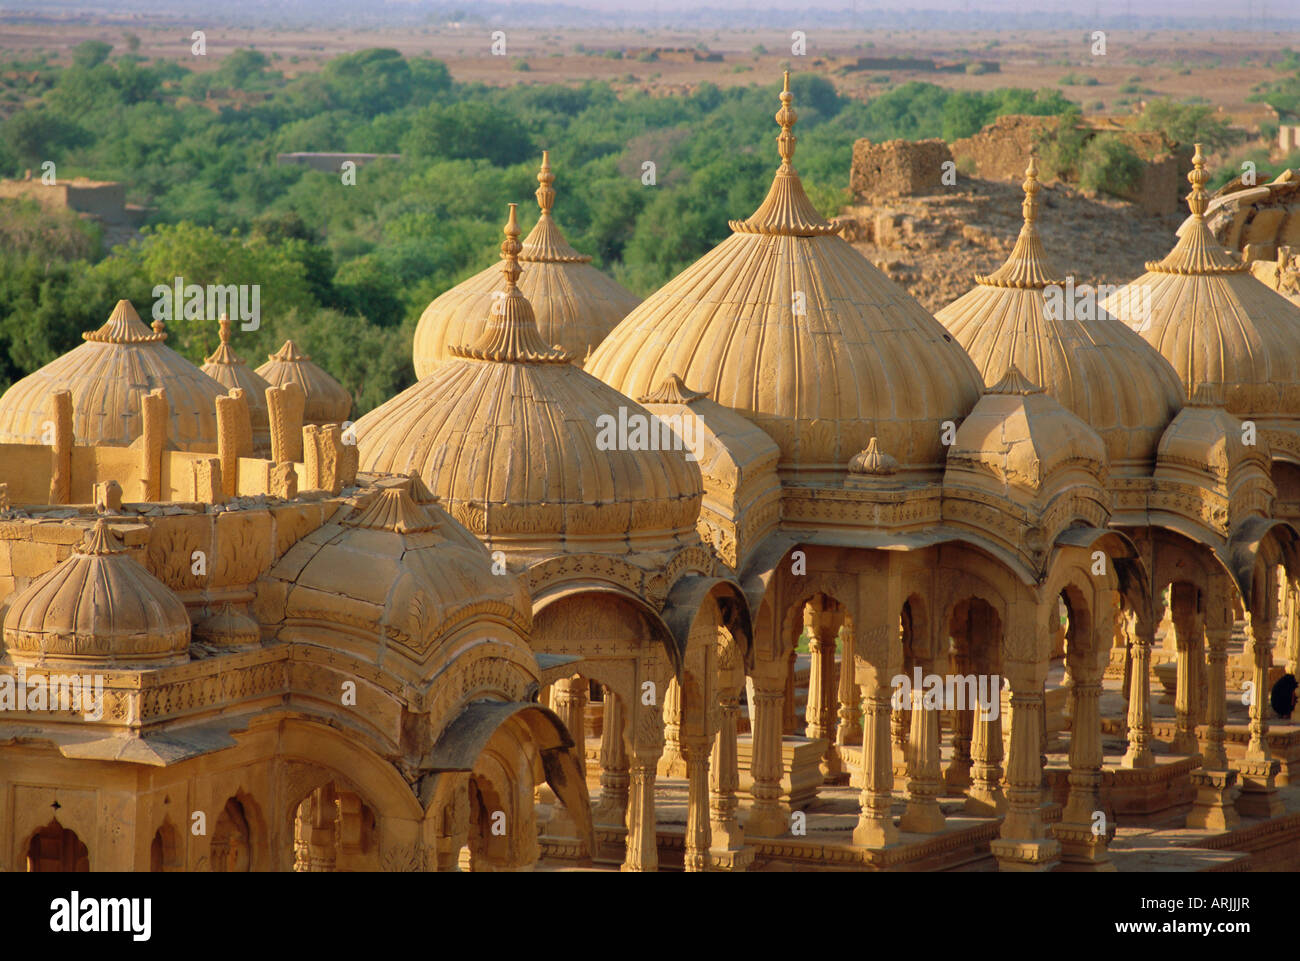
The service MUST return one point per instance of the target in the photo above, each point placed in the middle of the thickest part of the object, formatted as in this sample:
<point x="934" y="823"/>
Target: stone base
<point x="1213" y="808"/>
<point x="1081" y="849"/>
<point x="801" y="770"/>
<point x="1135" y="795"/>
<point x="733" y="860"/>
<point x="1259" y="797"/>
<point x="1039" y="855"/>
<point x="879" y="833"/>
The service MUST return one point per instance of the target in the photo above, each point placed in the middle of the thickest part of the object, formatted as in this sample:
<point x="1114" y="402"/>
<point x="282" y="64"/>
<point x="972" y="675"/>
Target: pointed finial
<point x="102" y="540"/>
<point x="786" y="118"/>
<point x="225" y="329"/>
<point x="158" y="326"/>
<point x="510" y="248"/>
<point x="545" y="195"/>
<point x="1031" y="187"/>
<point x="1198" y="199"/>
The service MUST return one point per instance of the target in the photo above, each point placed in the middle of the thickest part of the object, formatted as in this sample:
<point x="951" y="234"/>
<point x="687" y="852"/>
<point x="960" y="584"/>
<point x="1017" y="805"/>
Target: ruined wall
<point x="897" y="168"/>
<point x="998" y="152"/>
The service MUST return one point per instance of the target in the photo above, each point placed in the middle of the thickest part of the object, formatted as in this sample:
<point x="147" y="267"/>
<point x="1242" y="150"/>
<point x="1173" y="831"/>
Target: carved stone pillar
<point x="1257" y="771"/>
<point x="1082" y="835"/>
<point x="789" y="723"/>
<point x="1024" y="845"/>
<point x="849" y="727"/>
<point x="957" y="776"/>
<point x="1187" y="633"/>
<point x="695" y="752"/>
<point x="671" y="761"/>
<point x="900" y="723"/>
<point x="876" y="827"/>
<point x="612" y="807"/>
<point x="766" y="818"/>
<point x="642" y="843"/>
<point x="923" y="784"/>
<point x="320" y="831"/>
<point x="820" y="712"/>
<point x="985" y="796"/>
<point x="1139" y="701"/>
<point x="1213" y="756"/>
<point x="569" y="701"/>
<point x="724" y="778"/>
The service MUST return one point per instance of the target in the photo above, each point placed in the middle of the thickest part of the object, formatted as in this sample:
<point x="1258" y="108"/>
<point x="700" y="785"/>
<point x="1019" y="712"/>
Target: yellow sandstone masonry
<point x="485" y="626"/>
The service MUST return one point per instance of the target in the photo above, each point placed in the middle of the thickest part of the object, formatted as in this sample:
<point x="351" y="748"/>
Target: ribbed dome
<point x="787" y="324"/>
<point x="101" y="607"/>
<point x="509" y="433"/>
<point x="575" y="304"/>
<point x="328" y="402"/>
<point x="119" y="364"/>
<point x="1018" y="436"/>
<point x="229" y="370"/>
<point x="1215" y="323"/>
<point x="418" y="582"/>
<point x="1028" y="316"/>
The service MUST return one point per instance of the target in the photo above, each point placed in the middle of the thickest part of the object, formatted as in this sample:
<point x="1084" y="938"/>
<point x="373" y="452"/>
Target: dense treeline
<point x="346" y="270"/>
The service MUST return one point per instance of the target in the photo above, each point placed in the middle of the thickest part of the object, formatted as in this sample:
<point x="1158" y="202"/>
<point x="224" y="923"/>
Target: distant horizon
<point x="1272" y="15"/>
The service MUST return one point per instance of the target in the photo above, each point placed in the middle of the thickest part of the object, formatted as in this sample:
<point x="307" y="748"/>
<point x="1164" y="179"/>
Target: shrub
<point x="1108" y="165"/>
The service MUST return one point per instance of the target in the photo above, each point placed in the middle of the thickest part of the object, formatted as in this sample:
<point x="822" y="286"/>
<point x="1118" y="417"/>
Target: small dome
<point x="1019" y="435"/>
<point x="517" y="441"/>
<point x="98" y="606"/>
<point x="575" y="304"/>
<point x="1206" y="439"/>
<point x="328" y="402"/>
<point x="119" y="363"/>
<point x="388" y="567"/>
<point x="788" y="325"/>
<point x="1214" y="322"/>
<point x="229" y="370"/>
<point x="1025" y="314"/>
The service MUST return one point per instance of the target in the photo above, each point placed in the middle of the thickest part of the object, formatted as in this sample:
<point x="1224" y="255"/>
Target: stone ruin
<point x="898" y="168"/>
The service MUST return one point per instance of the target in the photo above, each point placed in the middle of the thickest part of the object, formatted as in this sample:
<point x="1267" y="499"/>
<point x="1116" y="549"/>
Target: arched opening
<point x="232" y="842"/>
<point x="164" y="854"/>
<point x="56" y="848"/>
<point x="334" y="830"/>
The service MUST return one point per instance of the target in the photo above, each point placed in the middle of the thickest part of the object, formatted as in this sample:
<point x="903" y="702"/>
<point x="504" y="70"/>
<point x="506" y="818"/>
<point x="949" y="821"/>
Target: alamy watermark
<point x="80" y="693"/>
<point x="950" y="692"/>
<point x="181" y="301"/>
<point x="640" y="430"/>
<point x="1067" y="301"/>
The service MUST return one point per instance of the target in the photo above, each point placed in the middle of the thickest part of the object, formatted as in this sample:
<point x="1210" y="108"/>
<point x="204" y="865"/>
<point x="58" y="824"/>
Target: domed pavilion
<point x="108" y="375"/>
<point x="574" y="303"/>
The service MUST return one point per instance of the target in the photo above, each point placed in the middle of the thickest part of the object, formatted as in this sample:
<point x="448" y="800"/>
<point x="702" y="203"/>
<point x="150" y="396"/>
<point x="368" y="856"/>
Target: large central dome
<point x="787" y="324"/>
<point x="509" y="434"/>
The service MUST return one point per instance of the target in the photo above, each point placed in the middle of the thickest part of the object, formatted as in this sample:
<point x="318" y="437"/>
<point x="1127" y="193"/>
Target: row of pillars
<point x="714" y="837"/>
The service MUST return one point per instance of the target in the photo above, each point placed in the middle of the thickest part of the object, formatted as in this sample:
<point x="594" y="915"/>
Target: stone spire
<point x="124" y="326"/>
<point x="545" y="243"/>
<point x="1027" y="266"/>
<point x="1197" y="252"/>
<point x="511" y="334"/>
<point x="787" y="209"/>
<point x="224" y="354"/>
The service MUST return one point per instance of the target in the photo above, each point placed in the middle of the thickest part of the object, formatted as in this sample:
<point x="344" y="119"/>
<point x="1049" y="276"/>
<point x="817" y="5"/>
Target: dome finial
<point x="224" y="323"/>
<point x="1198" y="199"/>
<point x="102" y="540"/>
<point x="510" y="248"/>
<point x="545" y="193"/>
<point x="1027" y="266"/>
<point x="1031" y="187"/>
<point x="786" y="117"/>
